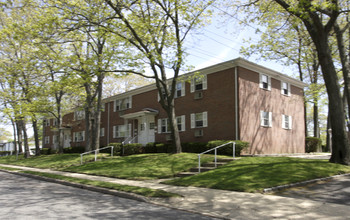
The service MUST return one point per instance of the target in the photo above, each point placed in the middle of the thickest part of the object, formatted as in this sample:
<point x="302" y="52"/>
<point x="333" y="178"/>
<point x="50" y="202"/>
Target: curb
<point x="125" y="195"/>
<point x="303" y="183"/>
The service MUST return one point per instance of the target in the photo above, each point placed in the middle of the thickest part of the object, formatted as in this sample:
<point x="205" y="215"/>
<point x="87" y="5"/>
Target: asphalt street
<point x="336" y="190"/>
<point x="26" y="198"/>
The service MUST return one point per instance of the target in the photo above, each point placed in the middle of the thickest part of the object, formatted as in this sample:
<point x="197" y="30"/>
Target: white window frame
<point x="203" y="118"/>
<point x="79" y="136"/>
<point x="283" y="88"/>
<point x="180" y="89"/>
<point x="55" y="139"/>
<point x="266" y="119"/>
<point x="287" y="122"/>
<point x="47" y="122"/>
<point x="55" y="122"/>
<point x="163" y="124"/>
<point x="47" y="139"/>
<point x="196" y="81"/>
<point x="268" y="83"/>
<point x="122" y="131"/>
<point x="122" y="104"/>
<point x="102" y="132"/>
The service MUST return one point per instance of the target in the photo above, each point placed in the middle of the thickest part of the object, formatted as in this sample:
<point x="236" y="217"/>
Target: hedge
<point x="71" y="150"/>
<point x="313" y="144"/>
<point x="5" y="153"/>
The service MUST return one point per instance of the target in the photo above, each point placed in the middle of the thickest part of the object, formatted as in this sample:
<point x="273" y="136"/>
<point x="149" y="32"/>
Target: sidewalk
<point x="228" y="204"/>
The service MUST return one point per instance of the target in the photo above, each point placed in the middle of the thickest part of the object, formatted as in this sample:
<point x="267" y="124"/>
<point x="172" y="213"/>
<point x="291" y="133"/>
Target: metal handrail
<point x="215" y="149"/>
<point x="129" y="140"/>
<point x="97" y="150"/>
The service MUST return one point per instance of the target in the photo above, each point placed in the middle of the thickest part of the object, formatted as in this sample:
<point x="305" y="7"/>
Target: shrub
<point x="163" y="148"/>
<point x="45" y="151"/>
<point x="5" y="153"/>
<point x="313" y="144"/>
<point x="228" y="150"/>
<point x="71" y="150"/>
<point x="150" y="148"/>
<point x="194" y="147"/>
<point x="117" y="149"/>
<point x="130" y="149"/>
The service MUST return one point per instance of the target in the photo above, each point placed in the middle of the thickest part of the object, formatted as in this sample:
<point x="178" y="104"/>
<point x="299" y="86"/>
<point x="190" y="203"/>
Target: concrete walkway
<point x="227" y="204"/>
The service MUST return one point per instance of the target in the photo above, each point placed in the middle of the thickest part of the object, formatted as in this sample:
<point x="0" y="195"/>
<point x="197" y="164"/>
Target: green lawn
<point x="142" y="166"/>
<point x="253" y="174"/>
<point x="131" y="189"/>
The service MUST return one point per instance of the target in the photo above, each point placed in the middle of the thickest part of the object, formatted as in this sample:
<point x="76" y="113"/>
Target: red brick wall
<point x="253" y="99"/>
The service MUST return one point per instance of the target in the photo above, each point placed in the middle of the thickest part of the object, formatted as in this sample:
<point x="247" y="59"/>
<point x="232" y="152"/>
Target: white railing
<point x="96" y="152"/>
<point x="215" y="150"/>
<point x="129" y="140"/>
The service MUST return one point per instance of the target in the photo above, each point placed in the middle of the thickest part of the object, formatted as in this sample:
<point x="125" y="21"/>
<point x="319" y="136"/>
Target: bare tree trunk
<point x="19" y="135"/>
<point x="14" y="135"/>
<point x="25" y="140"/>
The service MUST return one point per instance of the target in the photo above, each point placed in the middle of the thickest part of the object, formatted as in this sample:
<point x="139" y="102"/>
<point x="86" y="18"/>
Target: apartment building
<point x="234" y="100"/>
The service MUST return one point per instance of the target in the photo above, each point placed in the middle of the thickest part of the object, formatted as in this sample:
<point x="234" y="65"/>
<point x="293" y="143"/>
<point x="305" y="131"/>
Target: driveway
<point x="26" y="198"/>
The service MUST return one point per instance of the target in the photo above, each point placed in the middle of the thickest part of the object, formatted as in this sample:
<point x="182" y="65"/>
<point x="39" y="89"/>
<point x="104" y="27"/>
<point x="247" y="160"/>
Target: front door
<point x="146" y="129"/>
<point x="66" y="138"/>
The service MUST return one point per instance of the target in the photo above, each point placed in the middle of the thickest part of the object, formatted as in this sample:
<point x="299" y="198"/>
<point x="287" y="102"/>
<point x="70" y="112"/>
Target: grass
<point x="253" y="174"/>
<point x="9" y="168"/>
<point x="142" y="166"/>
<point x="54" y="161"/>
<point x="131" y="189"/>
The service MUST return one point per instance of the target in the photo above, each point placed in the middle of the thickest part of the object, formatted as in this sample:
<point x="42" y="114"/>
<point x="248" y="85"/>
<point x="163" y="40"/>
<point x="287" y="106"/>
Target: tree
<point x="319" y="19"/>
<point x="155" y="32"/>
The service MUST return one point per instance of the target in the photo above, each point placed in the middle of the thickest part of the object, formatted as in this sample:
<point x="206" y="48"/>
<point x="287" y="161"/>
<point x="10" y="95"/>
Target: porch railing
<point x="215" y="150"/>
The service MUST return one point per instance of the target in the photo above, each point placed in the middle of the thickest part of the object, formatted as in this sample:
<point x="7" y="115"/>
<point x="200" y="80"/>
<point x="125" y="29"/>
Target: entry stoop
<point x="205" y="167"/>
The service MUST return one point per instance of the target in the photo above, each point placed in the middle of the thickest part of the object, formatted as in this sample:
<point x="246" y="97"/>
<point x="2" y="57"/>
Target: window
<point x="265" y="82"/>
<point x="199" y="83"/>
<point x="122" y="104"/>
<point x="287" y="122"/>
<point x="121" y="131"/>
<point x="102" y="132"/>
<point x="164" y="125"/>
<point x="79" y="115"/>
<point x="47" y="139"/>
<point x="79" y="136"/>
<point x="180" y="89"/>
<point x="47" y="122"/>
<point x="55" y="122"/>
<point x="266" y="119"/>
<point x="199" y="120"/>
<point x="55" y="139"/>
<point x="285" y="88"/>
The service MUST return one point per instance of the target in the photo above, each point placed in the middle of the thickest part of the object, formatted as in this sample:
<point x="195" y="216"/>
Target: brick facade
<point x="229" y="106"/>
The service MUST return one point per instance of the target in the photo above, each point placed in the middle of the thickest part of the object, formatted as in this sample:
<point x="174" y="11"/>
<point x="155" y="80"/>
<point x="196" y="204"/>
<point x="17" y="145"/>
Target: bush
<point x="313" y="144"/>
<point x="150" y="148"/>
<point x="130" y="149"/>
<point x="228" y="150"/>
<point x="5" y="153"/>
<point x="72" y="150"/>
<point x="117" y="149"/>
<point x="194" y="147"/>
<point x="45" y="151"/>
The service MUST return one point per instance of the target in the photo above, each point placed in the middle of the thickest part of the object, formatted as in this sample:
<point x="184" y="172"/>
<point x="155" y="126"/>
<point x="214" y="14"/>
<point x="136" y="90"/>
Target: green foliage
<point x="313" y="144"/>
<point x="150" y="148"/>
<point x="72" y="150"/>
<point x="45" y="151"/>
<point x="130" y="149"/>
<point x="194" y="147"/>
<point x="253" y="174"/>
<point x="5" y="153"/>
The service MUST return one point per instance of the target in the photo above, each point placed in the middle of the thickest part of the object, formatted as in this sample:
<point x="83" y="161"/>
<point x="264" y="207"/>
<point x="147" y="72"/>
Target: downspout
<point x="108" y="123"/>
<point x="236" y="105"/>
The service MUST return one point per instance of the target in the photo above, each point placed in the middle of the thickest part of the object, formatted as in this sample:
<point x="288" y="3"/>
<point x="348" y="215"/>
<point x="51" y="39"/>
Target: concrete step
<point x="225" y="159"/>
<point x="212" y="164"/>
<point x="184" y="174"/>
<point x="203" y="169"/>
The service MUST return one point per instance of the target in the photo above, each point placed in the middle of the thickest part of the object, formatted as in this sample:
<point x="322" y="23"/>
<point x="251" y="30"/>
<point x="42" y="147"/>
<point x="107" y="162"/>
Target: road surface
<point x="27" y="198"/>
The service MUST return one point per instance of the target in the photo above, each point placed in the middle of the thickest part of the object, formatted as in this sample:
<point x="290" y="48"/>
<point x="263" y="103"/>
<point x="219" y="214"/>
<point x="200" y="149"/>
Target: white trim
<point x="193" y="120"/>
<point x="262" y="119"/>
<point x="261" y="85"/>
<point x="205" y="119"/>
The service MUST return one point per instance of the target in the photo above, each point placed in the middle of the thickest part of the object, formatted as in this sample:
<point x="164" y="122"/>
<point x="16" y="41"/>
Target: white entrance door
<point x="146" y="129"/>
<point x="66" y="138"/>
